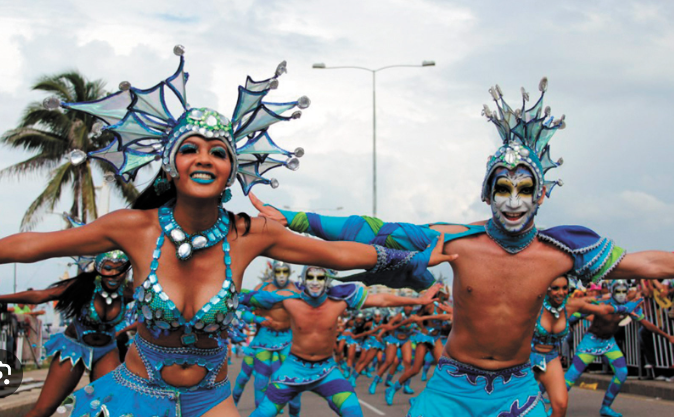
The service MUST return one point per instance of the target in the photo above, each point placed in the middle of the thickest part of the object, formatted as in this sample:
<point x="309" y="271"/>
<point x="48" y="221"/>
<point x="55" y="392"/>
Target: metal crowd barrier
<point x="664" y="351"/>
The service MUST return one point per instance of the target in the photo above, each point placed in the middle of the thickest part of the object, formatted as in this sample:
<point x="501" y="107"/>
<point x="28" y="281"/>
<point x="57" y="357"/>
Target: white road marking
<point x="371" y="407"/>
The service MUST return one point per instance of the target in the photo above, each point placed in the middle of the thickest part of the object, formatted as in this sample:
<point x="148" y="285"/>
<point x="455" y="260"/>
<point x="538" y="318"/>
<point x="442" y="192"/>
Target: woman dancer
<point x="426" y="338"/>
<point x="188" y="253"/>
<point x="400" y="330"/>
<point x="551" y="329"/>
<point x="96" y="303"/>
<point x="372" y="347"/>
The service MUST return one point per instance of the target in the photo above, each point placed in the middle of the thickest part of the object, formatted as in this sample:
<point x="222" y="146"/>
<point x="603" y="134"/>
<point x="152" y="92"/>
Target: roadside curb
<point x="659" y="389"/>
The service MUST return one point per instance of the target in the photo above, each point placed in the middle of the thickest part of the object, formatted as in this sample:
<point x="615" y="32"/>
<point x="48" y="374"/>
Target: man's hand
<point x="272" y="324"/>
<point x="268" y="212"/>
<point x="429" y="295"/>
<point x="437" y="256"/>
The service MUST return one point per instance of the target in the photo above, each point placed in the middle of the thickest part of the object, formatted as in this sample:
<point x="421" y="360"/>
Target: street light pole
<point x="374" y="116"/>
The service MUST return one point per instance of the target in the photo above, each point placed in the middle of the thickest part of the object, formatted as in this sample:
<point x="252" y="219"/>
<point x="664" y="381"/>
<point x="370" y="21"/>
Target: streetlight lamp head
<point x="428" y="64"/>
<point x="318" y="65"/>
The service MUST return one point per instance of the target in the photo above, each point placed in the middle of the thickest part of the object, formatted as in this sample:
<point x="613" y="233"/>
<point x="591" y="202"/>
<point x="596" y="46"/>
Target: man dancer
<point x="503" y="270"/>
<point x="272" y="346"/>
<point x="599" y="341"/>
<point x="313" y="313"/>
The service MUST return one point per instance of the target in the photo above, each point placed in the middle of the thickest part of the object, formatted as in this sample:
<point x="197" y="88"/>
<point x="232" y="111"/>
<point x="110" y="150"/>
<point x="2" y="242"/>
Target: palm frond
<point x="29" y="166"/>
<point x="54" y="84"/>
<point x="48" y="198"/>
<point x="88" y="193"/>
<point x="37" y="116"/>
<point x="36" y="140"/>
<point x="127" y="190"/>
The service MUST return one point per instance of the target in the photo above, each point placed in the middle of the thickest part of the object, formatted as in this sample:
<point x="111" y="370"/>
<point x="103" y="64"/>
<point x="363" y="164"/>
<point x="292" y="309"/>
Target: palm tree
<point x="53" y="135"/>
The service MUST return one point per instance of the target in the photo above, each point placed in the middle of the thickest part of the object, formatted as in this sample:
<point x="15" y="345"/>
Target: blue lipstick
<point x="202" y="180"/>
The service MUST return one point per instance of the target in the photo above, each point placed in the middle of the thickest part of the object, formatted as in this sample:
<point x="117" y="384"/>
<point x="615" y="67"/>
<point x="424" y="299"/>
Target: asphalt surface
<point x="582" y="402"/>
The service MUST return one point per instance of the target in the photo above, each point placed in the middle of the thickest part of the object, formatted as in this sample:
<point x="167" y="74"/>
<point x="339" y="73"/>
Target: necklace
<point x="108" y="297"/>
<point x="185" y="243"/>
<point x="510" y="243"/>
<point x="313" y="301"/>
<point x="555" y="311"/>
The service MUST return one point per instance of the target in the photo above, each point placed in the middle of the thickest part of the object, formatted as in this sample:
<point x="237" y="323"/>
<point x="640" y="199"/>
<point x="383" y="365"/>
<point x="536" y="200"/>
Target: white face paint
<point x="512" y="200"/>
<point x="281" y="276"/>
<point x="620" y="294"/>
<point x="315" y="282"/>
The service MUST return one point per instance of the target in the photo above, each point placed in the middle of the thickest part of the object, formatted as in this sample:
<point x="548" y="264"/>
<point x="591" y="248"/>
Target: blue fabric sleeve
<point x="263" y="299"/>
<point x="594" y="256"/>
<point x="353" y="294"/>
<point x="361" y="229"/>
<point x="248" y="317"/>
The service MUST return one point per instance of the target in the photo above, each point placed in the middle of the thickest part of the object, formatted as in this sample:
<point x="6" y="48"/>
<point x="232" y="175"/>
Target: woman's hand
<point x="429" y="296"/>
<point x="437" y="256"/>
<point x="268" y="212"/>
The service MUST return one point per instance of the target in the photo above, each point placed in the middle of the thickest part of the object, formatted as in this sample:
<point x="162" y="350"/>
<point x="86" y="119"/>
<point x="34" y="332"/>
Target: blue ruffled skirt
<point x="122" y="393"/>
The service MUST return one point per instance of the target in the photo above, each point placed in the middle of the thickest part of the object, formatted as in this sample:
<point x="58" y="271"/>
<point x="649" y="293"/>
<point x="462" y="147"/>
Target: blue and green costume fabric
<point x="592" y="346"/>
<point x="297" y="375"/>
<point x="245" y="316"/>
<point x="593" y="258"/>
<point x="544" y="337"/>
<point x="86" y="322"/>
<point x="269" y="349"/>
<point x="458" y="389"/>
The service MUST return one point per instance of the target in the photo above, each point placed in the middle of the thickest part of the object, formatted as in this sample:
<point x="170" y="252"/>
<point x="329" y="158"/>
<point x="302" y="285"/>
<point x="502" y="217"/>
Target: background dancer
<point x="399" y="331"/>
<point x="313" y="314"/>
<point x="96" y="302"/>
<point x="551" y="330"/>
<point x="425" y="338"/>
<point x="485" y="368"/>
<point x="599" y="341"/>
<point x="246" y="315"/>
<point x="373" y="347"/>
<point x="271" y="347"/>
<point x="186" y="300"/>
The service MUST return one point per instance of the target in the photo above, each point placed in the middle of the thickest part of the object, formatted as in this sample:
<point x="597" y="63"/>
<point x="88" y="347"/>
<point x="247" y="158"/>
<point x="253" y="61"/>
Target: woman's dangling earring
<point x="226" y="196"/>
<point x="161" y="185"/>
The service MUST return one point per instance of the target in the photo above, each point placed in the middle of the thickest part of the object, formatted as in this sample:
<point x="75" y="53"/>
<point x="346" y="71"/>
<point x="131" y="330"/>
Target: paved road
<point x="583" y="403"/>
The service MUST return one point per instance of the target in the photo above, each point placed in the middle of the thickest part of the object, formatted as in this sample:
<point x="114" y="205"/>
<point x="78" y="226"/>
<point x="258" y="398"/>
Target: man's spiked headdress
<point x="525" y="134"/>
<point x="146" y="131"/>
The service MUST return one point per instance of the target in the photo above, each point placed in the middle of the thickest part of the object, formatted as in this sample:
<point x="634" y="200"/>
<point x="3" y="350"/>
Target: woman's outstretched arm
<point x="112" y="231"/>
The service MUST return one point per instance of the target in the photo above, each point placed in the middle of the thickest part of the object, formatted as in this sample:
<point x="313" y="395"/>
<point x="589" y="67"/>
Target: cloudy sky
<point x="609" y="65"/>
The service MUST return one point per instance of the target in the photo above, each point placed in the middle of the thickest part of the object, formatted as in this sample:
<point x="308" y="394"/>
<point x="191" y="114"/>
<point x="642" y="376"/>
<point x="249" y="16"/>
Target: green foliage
<point x="51" y="136"/>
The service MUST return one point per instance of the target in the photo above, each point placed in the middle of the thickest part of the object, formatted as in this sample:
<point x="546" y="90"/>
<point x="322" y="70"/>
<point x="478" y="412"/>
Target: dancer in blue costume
<point x="354" y="343"/>
<point x="485" y="369"/>
<point x="246" y="315"/>
<point x="313" y="315"/>
<point x="96" y="302"/>
<point x="272" y="346"/>
<point x="552" y="327"/>
<point x="426" y="338"/>
<point x="599" y="341"/>
<point x="187" y="251"/>
<point x="373" y="348"/>
<point x="399" y="330"/>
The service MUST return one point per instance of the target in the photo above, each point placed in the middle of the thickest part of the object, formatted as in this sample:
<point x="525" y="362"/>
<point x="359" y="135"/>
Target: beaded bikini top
<point x="89" y="319"/>
<point x="161" y="315"/>
<point x="543" y="336"/>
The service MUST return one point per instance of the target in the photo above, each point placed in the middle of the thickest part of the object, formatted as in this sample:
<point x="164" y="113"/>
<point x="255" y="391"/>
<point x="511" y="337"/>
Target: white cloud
<point x="609" y="70"/>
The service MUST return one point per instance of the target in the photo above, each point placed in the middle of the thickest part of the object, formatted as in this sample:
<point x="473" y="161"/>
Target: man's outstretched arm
<point x="644" y="265"/>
